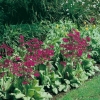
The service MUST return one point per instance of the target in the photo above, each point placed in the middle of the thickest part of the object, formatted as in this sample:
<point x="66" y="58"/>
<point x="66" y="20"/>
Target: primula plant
<point x="30" y="71"/>
<point x="55" y="35"/>
<point x="73" y="50"/>
<point x="74" y="46"/>
<point x="93" y="31"/>
<point x="23" y="68"/>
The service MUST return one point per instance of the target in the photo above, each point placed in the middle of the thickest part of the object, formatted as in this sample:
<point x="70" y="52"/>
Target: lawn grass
<point x="90" y="90"/>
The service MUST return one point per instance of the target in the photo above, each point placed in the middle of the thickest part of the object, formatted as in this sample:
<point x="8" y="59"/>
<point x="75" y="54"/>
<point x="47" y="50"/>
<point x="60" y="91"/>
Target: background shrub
<point x="80" y="10"/>
<point x="12" y="32"/>
<point x="28" y="11"/>
<point x="94" y="33"/>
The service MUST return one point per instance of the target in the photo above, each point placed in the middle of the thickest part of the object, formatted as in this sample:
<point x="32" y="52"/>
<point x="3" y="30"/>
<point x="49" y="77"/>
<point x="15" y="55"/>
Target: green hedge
<point x="28" y="11"/>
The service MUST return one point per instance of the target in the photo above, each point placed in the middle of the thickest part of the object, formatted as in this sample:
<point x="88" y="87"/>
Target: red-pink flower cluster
<point x="5" y="50"/>
<point x="74" y="45"/>
<point x="24" y="66"/>
<point x="35" y="53"/>
<point x="63" y="63"/>
<point x="92" y="20"/>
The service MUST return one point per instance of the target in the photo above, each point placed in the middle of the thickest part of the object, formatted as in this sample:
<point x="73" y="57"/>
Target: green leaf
<point x="67" y="88"/>
<point x="87" y="63"/>
<point x="30" y="92"/>
<point x="88" y="74"/>
<point x="46" y="95"/>
<point x="17" y="90"/>
<point x="48" y="85"/>
<point x="1" y="95"/>
<point x="75" y="85"/>
<point x="8" y="84"/>
<point x="55" y="90"/>
<point x="83" y="77"/>
<point x="20" y="95"/>
<point x="60" y="68"/>
<point x="27" y="98"/>
<point x="67" y="81"/>
<point x="57" y="82"/>
<point x="32" y="76"/>
<point x="54" y="76"/>
<point x="59" y="73"/>
<point x="17" y="94"/>
<point x="92" y="72"/>
<point x="37" y="95"/>
<point x="61" y="87"/>
<point x="96" y="68"/>
<point x="42" y="67"/>
<point x="75" y="80"/>
<point x="35" y="83"/>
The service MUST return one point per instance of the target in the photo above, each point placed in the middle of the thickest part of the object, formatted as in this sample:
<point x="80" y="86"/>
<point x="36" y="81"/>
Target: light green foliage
<point x="80" y="10"/>
<point x="53" y="82"/>
<point x="93" y="31"/>
<point x="89" y="67"/>
<point x="88" y="91"/>
<point x="5" y="86"/>
<point x="11" y="33"/>
<point x="32" y="91"/>
<point x="56" y="34"/>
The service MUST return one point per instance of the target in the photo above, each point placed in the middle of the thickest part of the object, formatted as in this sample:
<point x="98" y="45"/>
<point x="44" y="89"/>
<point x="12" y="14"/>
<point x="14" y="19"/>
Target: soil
<point x="55" y="97"/>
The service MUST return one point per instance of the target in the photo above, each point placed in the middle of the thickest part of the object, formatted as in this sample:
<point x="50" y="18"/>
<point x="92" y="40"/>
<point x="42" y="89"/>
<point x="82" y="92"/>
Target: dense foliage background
<point x="47" y="46"/>
<point x="28" y="11"/>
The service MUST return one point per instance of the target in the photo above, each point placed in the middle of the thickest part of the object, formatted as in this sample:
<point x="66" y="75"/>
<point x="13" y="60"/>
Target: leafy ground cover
<point x="90" y="90"/>
<point x="32" y="71"/>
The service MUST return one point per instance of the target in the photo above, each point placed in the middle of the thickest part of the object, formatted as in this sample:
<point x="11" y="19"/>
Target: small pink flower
<point x="79" y="53"/>
<point x="76" y="33"/>
<point x="2" y="74"/>
<point x="88" y="38"/>
<point x="17" y="58"/>
<point x="36" y="74"/>
<point x="0" y="57"/>
<point x="92" y="20"/>
<point x="29" y="63"/>
<point x="89" y="56"/>
<point x="21" y="40"/>
<point x="25" y="82"/>
<point x="7" y="63"/>
<point x="63" y="63"/>
<point x="71" y="34"/>
<point x="51" y="46"/>
<point x="7" y="48"/>
<point x="21" y="37"/>
<point x="65" y="40"/>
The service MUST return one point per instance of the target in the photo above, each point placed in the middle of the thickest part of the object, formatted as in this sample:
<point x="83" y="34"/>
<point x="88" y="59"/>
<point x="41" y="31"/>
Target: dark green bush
<point x="12" y="32"/>
<point x="80" y="10"/>
<point x="28" y="11"/>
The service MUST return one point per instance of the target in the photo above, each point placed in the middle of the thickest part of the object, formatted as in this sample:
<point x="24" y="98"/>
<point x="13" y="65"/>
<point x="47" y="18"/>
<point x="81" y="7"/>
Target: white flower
<point x="83" y="3"/>
<point x="67" y="13"/>
<point x="66" y="1"/>
<point x="67" y="9"/>
<point x="94" y="6"/>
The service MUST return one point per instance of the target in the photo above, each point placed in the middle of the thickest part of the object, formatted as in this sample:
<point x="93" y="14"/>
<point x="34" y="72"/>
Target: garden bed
<point x="62" y="94"/>
<point x="35" y="68"/>
<point x="47" y="51"/>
